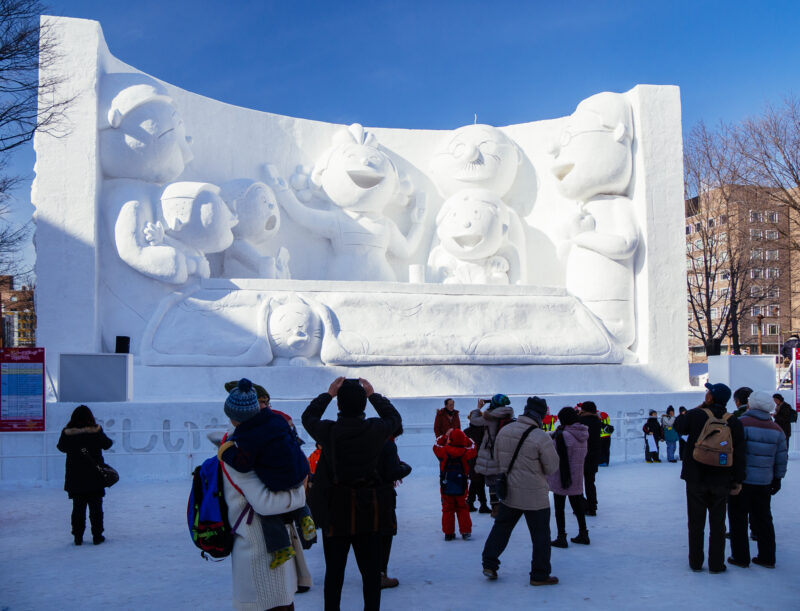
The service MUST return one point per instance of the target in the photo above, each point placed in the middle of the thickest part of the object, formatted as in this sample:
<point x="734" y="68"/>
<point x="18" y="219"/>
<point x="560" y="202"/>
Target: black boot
<point x="560" y="541"/>
<point x="78" y="539"/>
<point x="582" y="538"/>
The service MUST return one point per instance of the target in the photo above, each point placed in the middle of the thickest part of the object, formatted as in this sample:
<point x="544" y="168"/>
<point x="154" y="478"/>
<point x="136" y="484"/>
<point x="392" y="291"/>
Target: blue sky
<point x="422" y="64"/>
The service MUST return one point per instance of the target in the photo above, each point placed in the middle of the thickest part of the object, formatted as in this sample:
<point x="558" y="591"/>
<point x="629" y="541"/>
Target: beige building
<point x="18" y="315"/>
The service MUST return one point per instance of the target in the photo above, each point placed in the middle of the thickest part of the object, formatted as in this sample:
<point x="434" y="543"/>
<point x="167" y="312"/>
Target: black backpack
<point x="452" y="479"/>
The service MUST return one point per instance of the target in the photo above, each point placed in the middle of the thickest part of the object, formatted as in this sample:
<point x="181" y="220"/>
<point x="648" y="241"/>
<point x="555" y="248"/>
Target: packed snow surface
<point x="637" y="558"/>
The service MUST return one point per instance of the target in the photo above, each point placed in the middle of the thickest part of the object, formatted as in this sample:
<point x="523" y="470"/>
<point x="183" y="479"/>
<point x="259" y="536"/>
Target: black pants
<point x="576" y="502"/>
<point x="367" y="550"/>
<point x="79" y="503"/>
<point x="681" y="448"/>
<point x="477" y="489"/>
<point x="753" y="501"/>
<point x="538" y="521"/>
<point x="710" y="499"/>
<point x="605" y="450"/>
<point x="589" y="473"/>
<point x="386" y="550"/>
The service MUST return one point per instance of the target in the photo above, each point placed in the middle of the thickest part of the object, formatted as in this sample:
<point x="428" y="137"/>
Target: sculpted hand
<point x="154" y="233"/>
<point x="203" y="269"/>
<point x="418" y="211"/>
<point x="301" y="183"/>
<point x="367" y="387"/>
<point x="274" y="179"/>
<point x="497" y="265"/>
<point x="335" y="386"/>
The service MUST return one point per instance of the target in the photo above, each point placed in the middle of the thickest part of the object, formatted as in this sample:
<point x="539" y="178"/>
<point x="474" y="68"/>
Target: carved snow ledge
<point x="367" y="323"/>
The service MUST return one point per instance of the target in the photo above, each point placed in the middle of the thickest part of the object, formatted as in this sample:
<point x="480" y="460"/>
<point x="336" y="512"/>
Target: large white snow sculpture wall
<point x="217" y="236"/>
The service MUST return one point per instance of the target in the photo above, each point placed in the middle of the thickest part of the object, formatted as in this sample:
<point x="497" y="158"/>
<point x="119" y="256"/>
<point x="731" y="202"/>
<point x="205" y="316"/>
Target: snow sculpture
<point x="472" y="227"/>
<point x="358" y="181"/>
<point x="593" y="167"/>
<point x="256" y="207"/>
<point x="481" y="156"/>
<point x="295" y="331"/>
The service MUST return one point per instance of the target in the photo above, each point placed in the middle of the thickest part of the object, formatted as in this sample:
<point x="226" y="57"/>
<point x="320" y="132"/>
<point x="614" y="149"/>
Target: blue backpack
<point x="452" y="479"/>
<point x="207" y="512"/>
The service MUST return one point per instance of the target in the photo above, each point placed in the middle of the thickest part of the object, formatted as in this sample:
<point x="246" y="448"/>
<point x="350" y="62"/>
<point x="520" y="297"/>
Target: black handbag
<point x="108" y="474"/>
<point x="501" y="482"/>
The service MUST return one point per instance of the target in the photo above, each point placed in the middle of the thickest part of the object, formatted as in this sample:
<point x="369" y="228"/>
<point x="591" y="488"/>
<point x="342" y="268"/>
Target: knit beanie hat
<point x="761" y="400"/>
<point x="242" y="402"/>
<point x="352" y="398"/>
<point x="500" y="401"/>
<point x="458" y="438"/>
<point x="261" y="392"/>
<point x="536" y="408"/>
<point x="589" y="406"/>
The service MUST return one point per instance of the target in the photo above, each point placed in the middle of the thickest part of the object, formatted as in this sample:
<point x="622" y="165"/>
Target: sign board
<point x="795" y="364"/>
<point x="21" y="389"/>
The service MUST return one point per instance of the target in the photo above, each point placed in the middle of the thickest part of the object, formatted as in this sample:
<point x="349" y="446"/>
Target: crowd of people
<point x="345" y="491"/>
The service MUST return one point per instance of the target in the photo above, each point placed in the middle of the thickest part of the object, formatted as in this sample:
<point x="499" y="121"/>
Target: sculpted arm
<point x="403" y="246"/>
<point x="619" y="244"/>
<point x="322" y="222"/>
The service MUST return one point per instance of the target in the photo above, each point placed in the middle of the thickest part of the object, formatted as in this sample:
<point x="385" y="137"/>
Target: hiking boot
<point x="484" y="509"/>
<point x="721" y="569"/>
<point x="491" y="574"/>
<point x="734" y="562"/>
<point x="302" y="589"/>
<point x="466" y="536"/>
<point x="547" y="581"/>
<point x="98" y="539"/>
<point x="582" y="538"/>
<point x="388" y="582"/>
<point x="560" y="541"/>
<point x="591" y="512"/>
<point x="450" y="537"/>
<point x="759" y="562"/>
<point x="78" y="539"/>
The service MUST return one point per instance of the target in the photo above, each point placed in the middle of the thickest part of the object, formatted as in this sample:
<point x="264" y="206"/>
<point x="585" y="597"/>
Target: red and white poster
<point x="21" y="389"/>
<point x="794" y="374"/>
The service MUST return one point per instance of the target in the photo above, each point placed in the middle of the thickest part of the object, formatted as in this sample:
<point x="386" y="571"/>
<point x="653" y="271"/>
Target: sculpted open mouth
<point x="468" y="241"/>
<point x="297" y="341"/>
<point x="560" y="171"/>
<point x="366" y="178"/>
<point x="271" y="222"/>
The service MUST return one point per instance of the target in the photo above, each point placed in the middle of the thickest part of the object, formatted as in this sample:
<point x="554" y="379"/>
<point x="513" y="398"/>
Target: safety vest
<point x="549" y="423"/>
<point x="604" y="420"/>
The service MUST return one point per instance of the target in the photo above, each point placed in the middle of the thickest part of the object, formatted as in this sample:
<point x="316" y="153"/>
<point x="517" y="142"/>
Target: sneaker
<point x="450" y="537"/>
<point x="466" y="536"/>
<point x="721" y="569"/>
<point x="547" y="581"/>
<point x="491" y="574"/>
<point x="582" y="538"/>
<point x="560" y="541"/>
<point x="97" y="540"/>
<point x="484" y="509"/>
<point x="758" y="561"/>
<point x="388" y="582"/>
<point x="743" y="565"/>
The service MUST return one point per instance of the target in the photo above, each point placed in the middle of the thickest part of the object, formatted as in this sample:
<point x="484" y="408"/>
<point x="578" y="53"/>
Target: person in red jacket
<point x="446" y="418"/>
<point x="454" y="449"/>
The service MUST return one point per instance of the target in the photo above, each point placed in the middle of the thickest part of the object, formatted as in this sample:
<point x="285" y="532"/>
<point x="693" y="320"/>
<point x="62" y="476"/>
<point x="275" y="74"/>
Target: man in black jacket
<point x="349" y="500"/>
<point x="588" y="416"/>
<point x="708" y="487"/>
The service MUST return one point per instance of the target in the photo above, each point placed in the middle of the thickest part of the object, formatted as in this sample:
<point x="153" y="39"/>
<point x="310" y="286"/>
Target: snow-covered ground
<point x="637" y="559"/>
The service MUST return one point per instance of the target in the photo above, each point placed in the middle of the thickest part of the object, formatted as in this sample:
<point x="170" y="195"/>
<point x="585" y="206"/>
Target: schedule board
<point x="21" y="389"/>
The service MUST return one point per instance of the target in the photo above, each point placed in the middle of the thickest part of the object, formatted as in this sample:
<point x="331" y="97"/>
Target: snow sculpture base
<point x="380" y="324"/>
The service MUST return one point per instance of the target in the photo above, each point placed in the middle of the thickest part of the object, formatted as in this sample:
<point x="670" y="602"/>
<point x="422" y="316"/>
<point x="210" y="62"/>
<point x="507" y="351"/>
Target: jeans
<point x="701" y="499"/>
<point x="671" y="450"/>
<point x="752" y="501"/>
<point x="367" y="550"/>
<point x="538" y="521"/>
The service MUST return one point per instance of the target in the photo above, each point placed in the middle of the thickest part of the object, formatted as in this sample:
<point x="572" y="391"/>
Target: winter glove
<point x="735" y="489"/>
<point x="776" y="486"/>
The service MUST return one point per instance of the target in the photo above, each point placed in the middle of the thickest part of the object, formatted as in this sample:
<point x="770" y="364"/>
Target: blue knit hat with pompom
<point x="242" y="402"/>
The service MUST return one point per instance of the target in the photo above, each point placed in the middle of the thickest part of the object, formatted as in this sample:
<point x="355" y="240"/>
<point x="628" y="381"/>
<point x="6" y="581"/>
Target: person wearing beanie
<point x="262" y="442"/>
<point x="351" y="502"/>
<point x="495" y="417"/>
<point x="263" y="401"/>
<point x="767" y="457"/>
<point x="454" y="451"/>
<point x="527" y="491"/>
<point x="708" y="487"/>
<point x="587" y="415"/>
<point x="570" y="440"/>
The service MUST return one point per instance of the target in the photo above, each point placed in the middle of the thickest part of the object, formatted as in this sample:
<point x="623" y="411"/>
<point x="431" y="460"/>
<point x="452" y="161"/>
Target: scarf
<point x="563" y="457"/>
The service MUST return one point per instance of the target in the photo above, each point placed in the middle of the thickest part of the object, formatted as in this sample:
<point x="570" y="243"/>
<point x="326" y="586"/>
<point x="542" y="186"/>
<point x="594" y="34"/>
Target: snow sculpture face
<point x="475" y="156"/>
<point x="142" y="136"/>
<point x="472" y="224"/>
<point x="195" y="215"/>
<point x="294" y="330"/>
<point x="256" y="208"/>
<point x="355" y="174"/>
<point x="594" y="155"/>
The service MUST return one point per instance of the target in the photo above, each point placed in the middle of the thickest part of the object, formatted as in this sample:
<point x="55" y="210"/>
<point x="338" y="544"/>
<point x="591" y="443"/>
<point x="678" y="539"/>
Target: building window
<point x="755" y="217"/>
<point x="688" y="229"/>
<point x="773" y="329"/>
<point x="773" y="310"/>
<point x="723" y="218"/>
<point x="723" y="292"/>
<point x="690" y="264"/>
<point x="773" y="272"/>
<point x="755" y="291"/>
<point x="710" y="223"/>
<point x="756" y="234"/>
<point x="722" y="236"/>
<point x="754" y="329"/>
<point x="688" y="247"/>
<point x="756" y="273"/>
<point x="772" y="217"/>
<point x="723" y="256"/>
<point x="714" y="313"/>
<point x="698" y="244"/>
<point x="725" y="274"/>
<point x="774" y="292"/>
<point x="697" y="226"/>
<point x="755" y="311"/>
<point x="772" y="255"/>
<point x="772" y="234"/>
<point x="756" y="253"/>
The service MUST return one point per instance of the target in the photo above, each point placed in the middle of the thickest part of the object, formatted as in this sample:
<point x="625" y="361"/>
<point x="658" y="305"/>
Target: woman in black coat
<point x="82" y="480"/>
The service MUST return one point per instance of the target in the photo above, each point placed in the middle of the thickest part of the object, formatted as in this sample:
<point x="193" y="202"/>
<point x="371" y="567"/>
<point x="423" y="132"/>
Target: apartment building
<point x="18" y="314"/>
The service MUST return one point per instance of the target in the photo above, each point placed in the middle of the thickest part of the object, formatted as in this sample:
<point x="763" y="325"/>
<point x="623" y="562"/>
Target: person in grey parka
<point x="766" y="460"/>
<point x="492" y="419"/>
